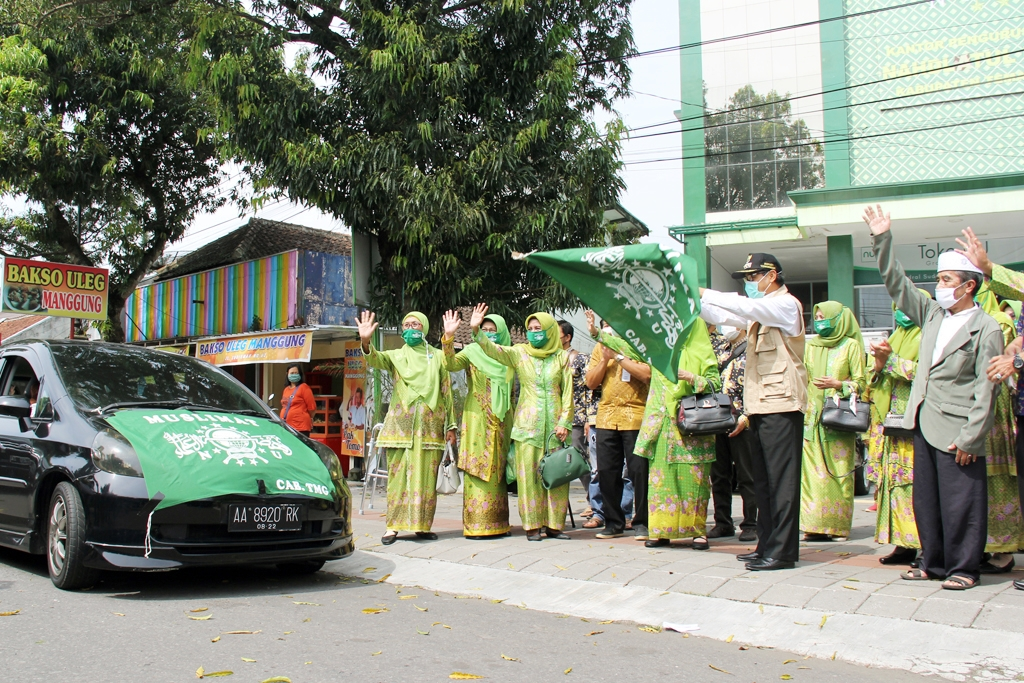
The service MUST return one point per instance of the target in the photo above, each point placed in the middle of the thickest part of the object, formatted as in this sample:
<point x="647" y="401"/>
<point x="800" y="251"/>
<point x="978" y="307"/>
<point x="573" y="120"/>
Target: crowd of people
<point x="937" y="407"/>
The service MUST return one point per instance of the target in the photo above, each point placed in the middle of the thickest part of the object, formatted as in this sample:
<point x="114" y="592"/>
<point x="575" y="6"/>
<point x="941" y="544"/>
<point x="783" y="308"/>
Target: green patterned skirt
<point x="678" y="495"/>
<point x="412" y="487"/>
<point x="538" y="507"/>
<point x="895" y="522"/>
<point x="826" y="482"/>
<point x="485" y="505"/>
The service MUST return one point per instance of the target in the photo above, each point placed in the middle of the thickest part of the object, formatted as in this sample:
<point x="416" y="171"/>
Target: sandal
<point x="701" y="543"/>
<point x="389" y="538"/>
<point x="916" y="575"/>
<point x="594" y="522"/>
<point x="959" y="583"/>
<point x="533" y="535"/>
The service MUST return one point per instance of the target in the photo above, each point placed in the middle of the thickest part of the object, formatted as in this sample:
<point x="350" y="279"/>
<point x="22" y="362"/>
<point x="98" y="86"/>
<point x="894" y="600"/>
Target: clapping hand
<point x="479" y="313"/>
<point x="974" y="250"/>
<point x="451" y="322"/>
<point x="877" y="221"/>
<point x="591" y="326"/>
<point x="367" y="326"/>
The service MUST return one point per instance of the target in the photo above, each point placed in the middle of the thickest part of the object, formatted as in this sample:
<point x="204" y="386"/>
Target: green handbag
<point x="510" y="463"/>
<point x="562" y="465"/>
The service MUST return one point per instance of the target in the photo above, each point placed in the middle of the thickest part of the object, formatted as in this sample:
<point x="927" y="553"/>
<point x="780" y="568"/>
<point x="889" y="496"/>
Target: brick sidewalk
<point x="837" y="577"/>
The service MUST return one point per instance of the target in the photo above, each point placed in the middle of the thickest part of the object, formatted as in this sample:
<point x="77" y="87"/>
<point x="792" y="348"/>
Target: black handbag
<point x="702" y="414"/>
<point x="846" y="414"/>
<point x="892" y="426"/>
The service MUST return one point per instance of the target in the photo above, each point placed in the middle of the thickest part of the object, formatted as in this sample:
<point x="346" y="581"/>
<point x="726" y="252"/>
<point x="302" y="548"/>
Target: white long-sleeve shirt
<point x="950" y="325"/>
<point x="722" y="308"/>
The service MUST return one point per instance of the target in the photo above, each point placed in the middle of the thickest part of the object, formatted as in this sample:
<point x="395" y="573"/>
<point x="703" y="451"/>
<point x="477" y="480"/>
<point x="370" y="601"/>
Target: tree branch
<point x="468" y="4"/>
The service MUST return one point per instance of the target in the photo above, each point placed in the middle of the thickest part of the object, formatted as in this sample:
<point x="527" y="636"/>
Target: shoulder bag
<point x="448" y="480"/>
<point x="846" y="414"/>
<point x="561" y="465"/>
<point x="702" y="414"/>
<point x="892" y="426"/>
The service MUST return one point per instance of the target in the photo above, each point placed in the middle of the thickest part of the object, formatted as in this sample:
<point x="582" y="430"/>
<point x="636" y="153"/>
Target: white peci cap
<point x="951" y="260"/>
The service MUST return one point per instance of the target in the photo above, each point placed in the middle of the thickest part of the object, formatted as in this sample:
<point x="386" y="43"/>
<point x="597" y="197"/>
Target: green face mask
<point x="413" y="337"/>
<point x="901" y="319"/>
<point x="493" y="336"/>
<point x="537" y="338"/>
<point x="825" y="328"/>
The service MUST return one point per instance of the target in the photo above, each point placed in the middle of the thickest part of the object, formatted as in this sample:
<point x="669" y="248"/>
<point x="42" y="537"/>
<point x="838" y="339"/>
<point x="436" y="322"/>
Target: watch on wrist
<point x="1018" y="363"/>
<point x="619" y="357"/>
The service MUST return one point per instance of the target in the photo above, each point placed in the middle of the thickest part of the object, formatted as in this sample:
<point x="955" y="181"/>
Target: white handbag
<point x="448" y="480"/>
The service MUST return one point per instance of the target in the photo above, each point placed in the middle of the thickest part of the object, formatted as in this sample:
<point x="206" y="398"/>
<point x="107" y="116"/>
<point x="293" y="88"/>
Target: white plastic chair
<point x="376" y="468"/>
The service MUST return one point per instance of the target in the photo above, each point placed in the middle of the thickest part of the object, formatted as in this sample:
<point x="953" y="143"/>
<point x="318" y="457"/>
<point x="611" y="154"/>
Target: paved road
<point x="150" y="628"/>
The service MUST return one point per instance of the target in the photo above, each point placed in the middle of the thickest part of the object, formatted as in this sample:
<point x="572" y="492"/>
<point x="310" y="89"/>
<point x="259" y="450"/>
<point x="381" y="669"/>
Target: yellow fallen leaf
<point x="408" y="597"/>
<point x="804" y="667"/>
<point x="786" y="677"/>
<point x="650" y="629"/>
<point x="760" y="608"/>
<point x="521" y="605"/>
<point x="214" y="639"/>
<point x="311" y="604"/>
<point x="852" y="579"/>
<point x="118" y="614"/>
<point x="568" y="671"/>
<point x="288" y="633"/>
<point x="246" y="659"/>
<point x="562" y="616"/>
<point x="206" y="618"/>
<point x="496" y="602"/>
<point x="834" y="655"/>
<point x="843" y="554"/>
<point x="585" y="620"/>
<point x="722" y="670"/>
<point x="447" y="626"/>
<point x="788" y="661"/>
<point x="423" y="633"/>
<point x="243" y="633"/>
<point x="686" y="635"/>
<point x="10" y="614"/>
<point x="307" y="662"/>
<point x="614" y="575"/>
<point x="594" y="633"/>
<point x="463" y="676"/>
<point x="422" y="609"/>
<point x="850" y="588"/>
<point x="510" y="566"/>
<point x="559" y="567"/>
<point x="436" y="623"/>
<point x="199" y="672"/>
<point x="824" y="618"/>
<point x="308" y="619"/>
<point x="201" y="609"/>
<point x="510" y="659"/>
<point x="277" y="679"/>
<point x="800" y="623"/>
<point x="383" y="578"/>
<point x="219" y="674"/>
<point x="374" y="610"/>
<point x="608" y="621"/>
<point x="729" y="639"/>
<point x="378" y="652"/>
<point x="369" y="569"/>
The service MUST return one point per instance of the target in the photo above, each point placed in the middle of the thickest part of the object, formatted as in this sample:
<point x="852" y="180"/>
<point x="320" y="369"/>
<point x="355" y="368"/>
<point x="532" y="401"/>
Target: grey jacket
<point x="952" y="401"/>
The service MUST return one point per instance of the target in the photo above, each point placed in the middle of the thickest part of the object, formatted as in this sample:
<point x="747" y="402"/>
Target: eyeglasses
<point x="412" y="325"/>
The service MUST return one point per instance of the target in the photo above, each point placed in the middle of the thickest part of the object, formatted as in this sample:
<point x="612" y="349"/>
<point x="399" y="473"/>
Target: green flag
<point x="648" y="295"/>
<point x="188" y="455"/>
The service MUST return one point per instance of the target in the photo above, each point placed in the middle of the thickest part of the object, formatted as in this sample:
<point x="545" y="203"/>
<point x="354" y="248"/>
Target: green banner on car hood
<point x="188" y="455"/>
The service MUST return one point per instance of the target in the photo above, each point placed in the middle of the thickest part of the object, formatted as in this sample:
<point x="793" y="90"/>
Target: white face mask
<point x="946" y="296"/>
<point x="730" y="333"/>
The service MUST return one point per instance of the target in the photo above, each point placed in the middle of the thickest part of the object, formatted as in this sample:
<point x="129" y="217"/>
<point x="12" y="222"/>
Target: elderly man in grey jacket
<point x="950" y="409"/>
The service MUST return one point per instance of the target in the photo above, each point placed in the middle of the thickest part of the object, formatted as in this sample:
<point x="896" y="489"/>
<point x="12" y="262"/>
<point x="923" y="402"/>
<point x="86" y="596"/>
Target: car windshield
<point x="99" y="375"/>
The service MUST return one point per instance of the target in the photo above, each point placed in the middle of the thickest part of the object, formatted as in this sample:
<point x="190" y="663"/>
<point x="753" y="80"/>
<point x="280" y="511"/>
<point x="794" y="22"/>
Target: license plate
<point x="265" y="517"/>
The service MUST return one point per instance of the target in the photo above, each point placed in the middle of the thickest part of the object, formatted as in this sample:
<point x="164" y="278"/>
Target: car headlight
<point x="333" y="465"/>
<point x="112" y="453"/>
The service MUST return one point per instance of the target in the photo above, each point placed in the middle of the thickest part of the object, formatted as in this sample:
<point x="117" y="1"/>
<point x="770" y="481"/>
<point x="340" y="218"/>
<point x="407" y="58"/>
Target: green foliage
<point x="757" y="154"/>
<point x="455" y="132"/>
<point x="102" y="135"/>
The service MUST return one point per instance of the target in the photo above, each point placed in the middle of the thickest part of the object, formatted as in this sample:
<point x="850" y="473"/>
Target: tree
<point x="757" y="154"/>
<point x="103" y="136"/>
<point x="455" y="132"/>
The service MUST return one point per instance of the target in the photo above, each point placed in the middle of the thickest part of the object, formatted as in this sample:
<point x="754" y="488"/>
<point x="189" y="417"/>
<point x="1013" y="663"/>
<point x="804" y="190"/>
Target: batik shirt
<point x="581" y="395"/>
<point x="732" y="379"/>
<point x="723" y="349"/>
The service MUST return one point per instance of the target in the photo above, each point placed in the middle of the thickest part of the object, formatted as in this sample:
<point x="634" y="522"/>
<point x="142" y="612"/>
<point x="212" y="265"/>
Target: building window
<point x="755" y="152"/>
<point x="874" y="306"/>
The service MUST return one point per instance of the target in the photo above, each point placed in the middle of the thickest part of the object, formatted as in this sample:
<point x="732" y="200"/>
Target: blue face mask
<point x="413" y="337"/>
<point x="751" y="288"/>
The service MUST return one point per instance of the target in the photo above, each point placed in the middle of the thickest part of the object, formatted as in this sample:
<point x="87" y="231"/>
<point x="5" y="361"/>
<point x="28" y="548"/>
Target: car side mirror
<point x="15" y="406"/>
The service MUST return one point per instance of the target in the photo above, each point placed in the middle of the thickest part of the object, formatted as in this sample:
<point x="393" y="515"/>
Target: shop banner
<point x="188" y="455"/>
<point x="291" y="346"/>
<point x="58" y="289"/>
<point x="353" y="403"/>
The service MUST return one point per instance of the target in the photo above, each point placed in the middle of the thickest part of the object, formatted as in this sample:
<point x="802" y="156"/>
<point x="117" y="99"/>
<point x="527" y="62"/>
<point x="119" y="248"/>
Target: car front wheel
<point x="301" y="568"/>
<point x="65" y="540"/>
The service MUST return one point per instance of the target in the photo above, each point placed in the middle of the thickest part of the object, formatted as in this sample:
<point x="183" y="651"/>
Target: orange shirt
<point x="302" y="406"/>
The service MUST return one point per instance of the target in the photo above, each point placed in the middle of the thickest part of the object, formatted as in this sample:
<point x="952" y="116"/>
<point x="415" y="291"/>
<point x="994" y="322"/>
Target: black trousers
<point x="951" y="510"/>
<point x="615" y="447"/>
<point x="580" y="444"/>
<point x="730" y="470"/>
<point x="775" y="458"/>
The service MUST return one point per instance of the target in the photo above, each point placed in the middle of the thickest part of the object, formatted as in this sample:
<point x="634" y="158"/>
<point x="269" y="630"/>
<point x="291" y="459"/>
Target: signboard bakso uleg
<point x="59" y="289"/>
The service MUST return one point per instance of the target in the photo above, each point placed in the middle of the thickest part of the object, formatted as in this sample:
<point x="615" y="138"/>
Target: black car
<point x="72" y="487"/>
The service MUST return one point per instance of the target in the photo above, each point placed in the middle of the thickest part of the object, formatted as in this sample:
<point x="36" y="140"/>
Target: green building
<point x="919" y="108"/>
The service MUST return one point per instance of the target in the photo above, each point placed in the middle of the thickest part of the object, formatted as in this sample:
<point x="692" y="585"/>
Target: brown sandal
<point x="593" y="523"/>
<point x="959" y="583"/>
<point x="916" y="575"/>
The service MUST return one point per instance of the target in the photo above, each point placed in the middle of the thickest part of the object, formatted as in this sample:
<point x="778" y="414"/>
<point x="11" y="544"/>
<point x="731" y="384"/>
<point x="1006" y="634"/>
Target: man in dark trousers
<point x="774" y="400"/>
<point x="950" y="411"/>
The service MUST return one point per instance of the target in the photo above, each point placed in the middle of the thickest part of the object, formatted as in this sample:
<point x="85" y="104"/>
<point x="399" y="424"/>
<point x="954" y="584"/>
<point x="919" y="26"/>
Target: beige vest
<point x="776" y="379"/>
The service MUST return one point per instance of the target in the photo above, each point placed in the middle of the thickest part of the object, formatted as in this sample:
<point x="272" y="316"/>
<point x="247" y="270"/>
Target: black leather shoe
<point x="657" y="543"/>
<point x="747" y="536"/>
<point x="1019" y="584"/>
<point x="557" y="535"/>
<point x="721" y="532"/>
<point x="388" y="539"/>
<point x="426" y="535"/>
<point x="768" y="564"/>
<point x="899" y="556"/>
<point x="987" y="567"/>
<point x="749" y="557"/>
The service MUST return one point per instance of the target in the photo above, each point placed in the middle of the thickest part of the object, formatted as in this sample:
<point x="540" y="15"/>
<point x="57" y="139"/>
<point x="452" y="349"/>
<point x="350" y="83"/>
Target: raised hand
<point x="451" y="322"/>
<point x="877" y="221"/>
<point x="974" y="250"/>
<point x="479" y="312"/>
<point x="367" y="326"/>
<point x="591" y="323"/>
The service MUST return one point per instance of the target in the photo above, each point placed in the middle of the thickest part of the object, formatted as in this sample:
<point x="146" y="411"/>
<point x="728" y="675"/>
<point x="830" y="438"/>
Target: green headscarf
<point x="846" y="327"/>
<point x="420" y="366"/>
<point x="499" y="374"/>
<point x="905" y="343"/>
<point x="553" y="343"/>
<point x="1015" y="305"/>
<point x="990" y="304"/>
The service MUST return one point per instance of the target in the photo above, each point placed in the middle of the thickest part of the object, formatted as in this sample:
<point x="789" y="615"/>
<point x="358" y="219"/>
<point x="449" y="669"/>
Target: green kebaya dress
<point x="679" y="483"/>
<point x="829" y="457"/>
<point x="486" y="427"/>
<point x="545" y="402"/>
<point x="414" y="431"/>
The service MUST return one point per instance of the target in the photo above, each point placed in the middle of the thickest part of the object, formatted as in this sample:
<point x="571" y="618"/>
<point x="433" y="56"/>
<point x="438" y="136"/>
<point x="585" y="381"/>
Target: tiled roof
<point x="256" y="239"/>
<point x="13" y="323"/>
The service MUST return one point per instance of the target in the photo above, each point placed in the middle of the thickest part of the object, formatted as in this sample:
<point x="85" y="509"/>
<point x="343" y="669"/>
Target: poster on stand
<point x="60" y="289"/>
<point x="353" y="404"/>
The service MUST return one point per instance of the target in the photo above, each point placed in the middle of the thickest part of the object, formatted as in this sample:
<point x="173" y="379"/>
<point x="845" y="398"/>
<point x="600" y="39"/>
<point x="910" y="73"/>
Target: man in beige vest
<point x="774" y="399"/>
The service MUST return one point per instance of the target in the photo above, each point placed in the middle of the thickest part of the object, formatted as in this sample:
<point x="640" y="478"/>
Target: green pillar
<point x="833" y="77"/>
<point x="840" y="269"/>
<point x="697" y="248"/>
<point x="691" y="111"/>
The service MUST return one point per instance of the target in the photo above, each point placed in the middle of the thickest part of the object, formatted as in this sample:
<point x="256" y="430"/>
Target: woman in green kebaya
<point x="544" y="408"/>
<point x="420" y="419"/>
<point x="835" y="367"/>
<point x="486" y="427"/>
